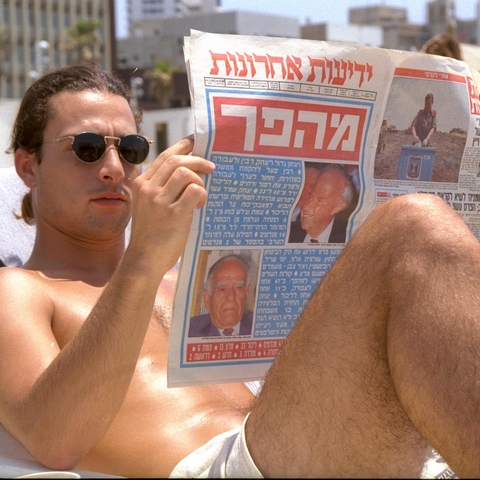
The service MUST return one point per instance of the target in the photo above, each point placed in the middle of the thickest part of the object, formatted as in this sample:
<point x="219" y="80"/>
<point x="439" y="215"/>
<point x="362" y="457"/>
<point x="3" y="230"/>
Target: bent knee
<point x="422" y="215"/>
<point x="415" y="208"/>
<point x="417" y="202"/>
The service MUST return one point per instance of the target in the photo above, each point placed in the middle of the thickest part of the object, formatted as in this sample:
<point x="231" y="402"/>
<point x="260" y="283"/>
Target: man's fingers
<point x="171" y="180"/>
<point x="171" y="159"/>
<point x="177" y="168"/>
<point x="181" y="179"/>
<point x="182" y="147"/>
<point x="193" y="196"/>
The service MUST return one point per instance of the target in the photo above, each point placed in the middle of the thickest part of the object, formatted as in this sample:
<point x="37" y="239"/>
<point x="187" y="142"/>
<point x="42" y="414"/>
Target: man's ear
<point x="24" y="163"/>
<point x="342" y="205"/>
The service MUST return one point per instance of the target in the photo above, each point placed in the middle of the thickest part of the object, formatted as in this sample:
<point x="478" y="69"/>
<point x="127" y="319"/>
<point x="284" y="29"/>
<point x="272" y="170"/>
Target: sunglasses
<point x="89" y="147"/>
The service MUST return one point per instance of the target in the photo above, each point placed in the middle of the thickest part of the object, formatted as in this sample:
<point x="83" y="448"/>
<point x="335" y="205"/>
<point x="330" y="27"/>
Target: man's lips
<point x="229" y="310"/>
<point x="109" y="198"/>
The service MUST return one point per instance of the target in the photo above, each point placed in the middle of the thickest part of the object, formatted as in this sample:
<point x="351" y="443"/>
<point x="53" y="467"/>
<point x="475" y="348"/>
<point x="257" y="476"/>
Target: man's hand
<point x="164" y="199"/>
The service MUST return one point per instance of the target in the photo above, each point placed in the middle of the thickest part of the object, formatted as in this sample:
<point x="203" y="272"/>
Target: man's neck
<point x="67" y="257"/>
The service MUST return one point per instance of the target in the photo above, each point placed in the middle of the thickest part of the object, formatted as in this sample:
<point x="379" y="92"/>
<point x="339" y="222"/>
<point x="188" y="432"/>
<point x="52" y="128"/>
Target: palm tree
<point x="160" y="82"/>
<point x="83" y="37"/>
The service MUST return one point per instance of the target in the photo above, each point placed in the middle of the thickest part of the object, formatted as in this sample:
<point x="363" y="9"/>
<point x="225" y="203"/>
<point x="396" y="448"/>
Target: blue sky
<point x="331" y="11"/>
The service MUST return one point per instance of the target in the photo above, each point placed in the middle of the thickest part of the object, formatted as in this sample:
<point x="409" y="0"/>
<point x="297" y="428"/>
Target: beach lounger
<point x="16" y="237"/>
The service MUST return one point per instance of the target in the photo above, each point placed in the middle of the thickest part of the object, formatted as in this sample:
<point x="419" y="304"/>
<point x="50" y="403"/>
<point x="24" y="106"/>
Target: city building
<point x="163" y="39"/>
<point x="398" y="33"/>
<point x="371" y="35"/>
<point x="161" y="42"/>
<point x="406" y="36"/>
<point x="139" y="10"/>
<point x="401" y="34"/>
<point x="441" y="17"/>
<point x="377" y="15"/>
<point x="34" y="36"/>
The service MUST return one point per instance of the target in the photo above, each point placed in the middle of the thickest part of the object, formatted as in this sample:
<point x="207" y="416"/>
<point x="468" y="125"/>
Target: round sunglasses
<point x="89" y="147"/>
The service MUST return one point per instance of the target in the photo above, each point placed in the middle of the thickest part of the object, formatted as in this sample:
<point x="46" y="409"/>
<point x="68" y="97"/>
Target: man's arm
<point x="432" y="130"/>
<point x="59" y="402"/>
<point x="414" y="130"/>
<point x="426" y="141"/>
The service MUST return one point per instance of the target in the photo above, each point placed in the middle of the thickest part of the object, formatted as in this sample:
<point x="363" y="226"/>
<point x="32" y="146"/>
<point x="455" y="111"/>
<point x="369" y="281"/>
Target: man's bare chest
<point x="75" y="302"/>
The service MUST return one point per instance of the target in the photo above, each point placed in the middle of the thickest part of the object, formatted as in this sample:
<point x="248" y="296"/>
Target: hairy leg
<point x="384" y="359"/>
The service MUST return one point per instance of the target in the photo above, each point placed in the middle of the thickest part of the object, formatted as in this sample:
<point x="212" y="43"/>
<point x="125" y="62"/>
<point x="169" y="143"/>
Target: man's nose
<point x="112" y="167"/>
<point x="230" y="293"/>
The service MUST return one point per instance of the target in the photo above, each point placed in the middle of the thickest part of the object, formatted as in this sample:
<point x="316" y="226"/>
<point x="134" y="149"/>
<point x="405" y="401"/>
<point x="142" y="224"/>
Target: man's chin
<point x="305" y="224"/>
<point x="228" y="324"/>
<point x="308" y="229"/>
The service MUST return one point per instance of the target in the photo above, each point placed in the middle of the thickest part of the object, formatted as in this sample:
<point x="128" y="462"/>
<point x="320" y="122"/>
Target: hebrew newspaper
<point x="308" y="137"/>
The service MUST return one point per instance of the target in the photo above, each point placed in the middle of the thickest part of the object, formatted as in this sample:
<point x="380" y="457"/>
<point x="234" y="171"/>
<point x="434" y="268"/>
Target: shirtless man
<point x="382" y="363"/>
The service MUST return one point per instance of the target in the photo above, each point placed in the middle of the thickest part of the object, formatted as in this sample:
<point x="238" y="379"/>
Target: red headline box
<point x="232" y="350"/>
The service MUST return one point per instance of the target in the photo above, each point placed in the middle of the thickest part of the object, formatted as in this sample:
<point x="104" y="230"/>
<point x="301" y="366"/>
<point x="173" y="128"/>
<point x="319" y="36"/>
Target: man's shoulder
<point x="201" y="319"/>
<point x="25" y="299"/>
<point x="44" y="302"/>
<point x="246" y="323"/>
<point x="17" y="283"/>
<point x="17" y="274"/>
<point x="198" y="324"/>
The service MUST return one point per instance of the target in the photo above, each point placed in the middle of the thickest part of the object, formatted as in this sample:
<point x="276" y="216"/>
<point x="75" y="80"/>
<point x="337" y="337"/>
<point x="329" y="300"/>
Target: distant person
<point x="382" y="137"/>
<point x="445" y="45"/>
<point x="425" y="123"/>
<point x="225" y="296"/>
<point x="333" y="193"/>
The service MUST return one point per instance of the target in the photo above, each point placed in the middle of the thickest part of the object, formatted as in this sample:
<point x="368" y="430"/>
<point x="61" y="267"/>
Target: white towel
<point x="16" y="237"/>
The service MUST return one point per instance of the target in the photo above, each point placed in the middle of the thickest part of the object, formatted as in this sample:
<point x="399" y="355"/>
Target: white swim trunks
<point x="436" y="467"/>
<point x="224" y="456"/>
<point x="227" y="456"/>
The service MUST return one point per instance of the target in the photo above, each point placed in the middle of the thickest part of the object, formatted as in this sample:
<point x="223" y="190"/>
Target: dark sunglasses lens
<point x="89" y="147"/>
<point x="133" y="148"/>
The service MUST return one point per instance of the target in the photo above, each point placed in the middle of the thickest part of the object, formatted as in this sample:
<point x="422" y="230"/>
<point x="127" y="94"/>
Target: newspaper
<point x="269" y="112"/>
